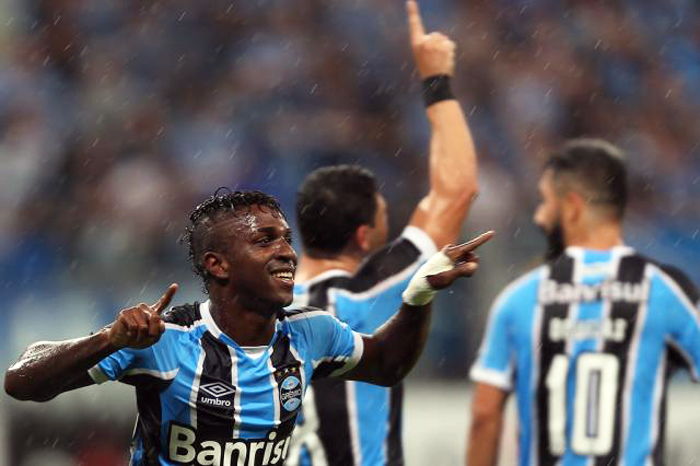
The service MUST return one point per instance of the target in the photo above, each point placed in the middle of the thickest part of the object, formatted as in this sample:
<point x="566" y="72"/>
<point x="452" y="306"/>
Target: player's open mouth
<point x="286" y="276"/>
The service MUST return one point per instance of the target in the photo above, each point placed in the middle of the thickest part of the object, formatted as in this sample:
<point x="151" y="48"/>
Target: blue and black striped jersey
<point x="348" y="423"/>
<point x="587" y="343"/>
<point x="202" y="399"/>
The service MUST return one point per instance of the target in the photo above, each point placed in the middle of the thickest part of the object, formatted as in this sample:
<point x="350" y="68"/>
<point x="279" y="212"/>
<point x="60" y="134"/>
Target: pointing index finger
<point x="164" y="300"/>
<point x="415" y="23"/>
<point x="479" y="240"/>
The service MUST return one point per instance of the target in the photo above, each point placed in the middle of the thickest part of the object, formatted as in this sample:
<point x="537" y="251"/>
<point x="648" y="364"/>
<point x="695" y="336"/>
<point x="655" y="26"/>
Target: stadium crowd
<point x="117" y="116"/>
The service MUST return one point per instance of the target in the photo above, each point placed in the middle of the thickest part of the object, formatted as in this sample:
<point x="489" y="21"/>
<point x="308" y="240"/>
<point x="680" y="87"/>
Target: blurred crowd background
<point x="118" y="116"/>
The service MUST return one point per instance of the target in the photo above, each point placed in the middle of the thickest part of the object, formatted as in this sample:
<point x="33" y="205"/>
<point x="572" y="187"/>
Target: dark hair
<point x="594" y="167"/>
<point x="210" y="211"/>
<point x="332" y="203"/>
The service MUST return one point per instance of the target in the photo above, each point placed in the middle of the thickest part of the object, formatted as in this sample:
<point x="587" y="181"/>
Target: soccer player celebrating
<point x="348" y="270"/>
<point x="221" y="382"/>
<point x="587" y="340"/>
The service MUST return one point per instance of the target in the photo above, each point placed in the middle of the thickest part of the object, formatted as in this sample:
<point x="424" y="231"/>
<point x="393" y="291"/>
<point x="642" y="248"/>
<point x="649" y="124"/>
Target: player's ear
<point x="363" y="238"/>
<point x="216" y="265"/>
<point x="574" y="206"/>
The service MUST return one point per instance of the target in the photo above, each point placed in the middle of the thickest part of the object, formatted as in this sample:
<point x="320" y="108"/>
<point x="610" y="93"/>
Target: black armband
<point x="436" y="88"/>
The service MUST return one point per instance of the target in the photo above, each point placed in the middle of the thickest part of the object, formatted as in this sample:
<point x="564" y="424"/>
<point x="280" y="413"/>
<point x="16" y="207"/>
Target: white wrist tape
<point x="419" y="292"/>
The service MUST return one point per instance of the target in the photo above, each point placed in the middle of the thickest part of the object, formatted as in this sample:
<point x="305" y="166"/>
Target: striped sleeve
<point x="420" y="240"/>
<point x="156" y="364"/>
<point x="494" y="363"/>
<point x="373" y="293"/>
<point x="682" y="319"/>
<point x="334" y="347"/>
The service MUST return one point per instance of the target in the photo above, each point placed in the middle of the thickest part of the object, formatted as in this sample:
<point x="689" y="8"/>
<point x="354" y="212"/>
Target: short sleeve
<point x="682" y="319"/>
<point x="152" y="365"/>
<point x="334" y="347"/>
<point x="373" y="293"/>
<point x="494" y="365"/>
<point x="420" y="240"/>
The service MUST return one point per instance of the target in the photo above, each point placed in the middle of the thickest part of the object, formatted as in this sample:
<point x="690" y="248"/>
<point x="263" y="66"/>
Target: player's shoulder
<point x="302" y="313"/>
<point x="185" y="316"/>
<point x="525" y="283"/>
<point x="674" y="277"/>
<point x="392" y="261"/>
<point x="308" y="322"/>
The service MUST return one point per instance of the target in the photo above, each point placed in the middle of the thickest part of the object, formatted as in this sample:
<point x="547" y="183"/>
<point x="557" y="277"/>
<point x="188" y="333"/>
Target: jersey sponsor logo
<point x="290" y="393"/>
<point x="220" y="394"/>
<point x="184" y="447"/>
<point x="552" y="292"/>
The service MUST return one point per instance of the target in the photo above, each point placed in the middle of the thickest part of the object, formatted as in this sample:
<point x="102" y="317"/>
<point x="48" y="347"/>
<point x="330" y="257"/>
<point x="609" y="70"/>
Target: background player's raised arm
<point x="47" y="369"/>
<point x="453" y="165"/>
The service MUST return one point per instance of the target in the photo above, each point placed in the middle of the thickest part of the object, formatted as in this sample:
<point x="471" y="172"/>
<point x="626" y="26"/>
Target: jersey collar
<point x="204" y="310"/>
<point x="621" y="250"/>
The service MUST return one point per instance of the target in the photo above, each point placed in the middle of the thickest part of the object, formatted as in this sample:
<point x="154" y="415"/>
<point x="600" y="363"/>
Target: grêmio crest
<point x="290" y="388"/>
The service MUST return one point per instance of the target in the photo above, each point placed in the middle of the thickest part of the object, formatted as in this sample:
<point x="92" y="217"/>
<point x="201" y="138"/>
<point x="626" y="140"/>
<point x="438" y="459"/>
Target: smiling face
<point x="256" y="261"/>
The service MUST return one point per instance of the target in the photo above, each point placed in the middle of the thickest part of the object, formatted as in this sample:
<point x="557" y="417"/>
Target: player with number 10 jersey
<point x="588" y="340"/>
<point x="592" y="337"/>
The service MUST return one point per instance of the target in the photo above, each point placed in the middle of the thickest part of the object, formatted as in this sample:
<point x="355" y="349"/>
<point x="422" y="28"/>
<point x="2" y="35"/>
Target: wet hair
<point x="594" y="168"/>
<point x="208" y="213"/>
<point x="332" y="203"/>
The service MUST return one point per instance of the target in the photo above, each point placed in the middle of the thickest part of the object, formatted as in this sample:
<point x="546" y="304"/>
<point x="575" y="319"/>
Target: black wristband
<point x="436" y="88"/>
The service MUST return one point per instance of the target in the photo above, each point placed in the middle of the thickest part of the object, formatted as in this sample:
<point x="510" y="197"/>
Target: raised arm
<point x="47" y="369"/>
<point x="392" y="351"/>
<point x="452" y="165"/>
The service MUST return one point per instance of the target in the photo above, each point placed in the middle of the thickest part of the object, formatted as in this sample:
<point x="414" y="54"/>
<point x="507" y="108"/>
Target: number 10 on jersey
<point x="595" y="390"/>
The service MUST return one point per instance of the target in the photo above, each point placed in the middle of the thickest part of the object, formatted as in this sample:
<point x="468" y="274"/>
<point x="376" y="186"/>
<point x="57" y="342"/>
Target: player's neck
<point x="310" y="267"/>
<point x="244" y="326"/>
<point x="602" y="236"/>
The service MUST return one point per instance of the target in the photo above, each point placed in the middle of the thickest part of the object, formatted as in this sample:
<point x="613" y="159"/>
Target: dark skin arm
<point x="392" y="351"/>
<point x="47" y="369"/>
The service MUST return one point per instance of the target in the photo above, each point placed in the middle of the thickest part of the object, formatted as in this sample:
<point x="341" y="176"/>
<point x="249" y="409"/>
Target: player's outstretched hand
<point x="435" y="52"/>
<point x="464" y="259"/>
<point x="140" y="326"/>
<point x="441" y="270"/>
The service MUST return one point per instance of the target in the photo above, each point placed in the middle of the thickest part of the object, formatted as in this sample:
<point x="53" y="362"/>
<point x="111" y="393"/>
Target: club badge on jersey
<point x="290" y="391"/>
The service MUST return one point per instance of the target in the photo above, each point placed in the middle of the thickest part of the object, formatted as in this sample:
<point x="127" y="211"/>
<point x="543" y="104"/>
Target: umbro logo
<point x="218" y="393"/>
<point x="217" y="389"/>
